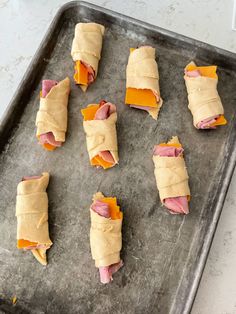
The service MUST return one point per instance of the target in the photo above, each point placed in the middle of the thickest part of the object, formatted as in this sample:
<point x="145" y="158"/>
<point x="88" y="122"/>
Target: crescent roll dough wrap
<point x="171" y="173"/>
<point x="100" y="128"/>
<point x="32" y="216"/>
<point x="51" y="120"/>
<point x="142" y="81"/>
<point x="105" y="235"/>
<point x="86" y="52"/>
<point x="204" y="101"/>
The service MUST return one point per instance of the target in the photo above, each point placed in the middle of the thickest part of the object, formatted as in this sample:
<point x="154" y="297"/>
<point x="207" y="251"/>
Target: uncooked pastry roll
<point x="86" y="52"/>
<point x="105" y="235"/>
<point x="204" y="101"/>
<point x="171" y="176"/>
<point x="142" y="81"/>
<point x="32" y="216"/>
<point x="51" y="120"/>
<point x="100" y="128"/>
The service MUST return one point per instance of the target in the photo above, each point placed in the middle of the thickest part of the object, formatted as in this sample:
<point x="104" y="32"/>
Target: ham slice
<point x="105" y="272"/>
<point x="30" y="178"/>
<point x="101" y="208"/>
<point x="194" y="73"/>
<point x="206" y="123"/>
<point x="34" y="247"/>
<point x="167" y="151"/>
<point x="107" y="156"/>
<point x="48" y="138"/>
<point x="47" y="85"/>
<point x="141" y="107"/>
<point x="176" y="205"/>
<point x="105" y="110"/>
<point x="102" y="113"/>
<point x="91" y="72"/>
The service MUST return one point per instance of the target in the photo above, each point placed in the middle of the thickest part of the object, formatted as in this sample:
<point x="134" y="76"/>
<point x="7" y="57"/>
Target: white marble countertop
<point x="23" y="24"/>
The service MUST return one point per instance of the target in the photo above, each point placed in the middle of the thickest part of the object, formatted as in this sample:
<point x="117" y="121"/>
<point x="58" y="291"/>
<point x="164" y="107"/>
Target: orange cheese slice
<point x="89" y="112"/>
<point x="208" y="71"/>
<point x="220" y="121"/>
<point x="25" y="243"/>
<point x="171" y="145"/>
<point x="113" y="207"/>
<point x="81" y="73"/>
<point x="99" y="161"/>
<point x="140" y="97"/>
<point x="49" y="147"/>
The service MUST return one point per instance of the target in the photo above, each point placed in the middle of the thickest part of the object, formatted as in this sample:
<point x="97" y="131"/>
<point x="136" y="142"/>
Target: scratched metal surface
<point x="163" y="254"/>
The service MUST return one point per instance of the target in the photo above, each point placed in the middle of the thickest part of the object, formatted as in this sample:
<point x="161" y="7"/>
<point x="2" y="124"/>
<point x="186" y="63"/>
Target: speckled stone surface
<point x="159" y="249"/>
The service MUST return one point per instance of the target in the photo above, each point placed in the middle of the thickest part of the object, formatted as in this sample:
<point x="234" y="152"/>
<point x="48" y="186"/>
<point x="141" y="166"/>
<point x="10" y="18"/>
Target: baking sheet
<point x="163" y="254"/>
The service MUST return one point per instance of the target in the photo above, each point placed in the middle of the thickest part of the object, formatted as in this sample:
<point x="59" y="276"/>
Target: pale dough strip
<point x="32" y="213"/>
<point x="105" y="239"/>
<point x="101" y="136"/>
<point x="142" y="73"/>
<point x="87" y="44"/>
<point x="52" y="114"/>
<point x="203" y="97"/>
<point x="171" y="175"/>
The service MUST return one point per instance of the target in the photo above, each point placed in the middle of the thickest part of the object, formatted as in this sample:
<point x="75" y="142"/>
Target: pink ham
<point x="30" y="178"/>
<point x="176" y="205"/>
<point x="47" y="85"/>
<point x="167" y="151"/>
<point x="48" y="138"/>
<point x="105" y="110"/>
<point x="194" y="73"/>
<point x="105" y="272"/>
<point x="107" y="156"/>
<point x="101" y="208"/>
<point x="140" y="107"/>
<point x="91" y="73"/>
<point x="102" y="113"/>
<point x="39" y="246"/>
<point x="206" y="123"/>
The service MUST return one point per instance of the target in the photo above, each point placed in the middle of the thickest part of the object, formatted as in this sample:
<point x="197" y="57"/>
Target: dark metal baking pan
<point x="164" y="255"/>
